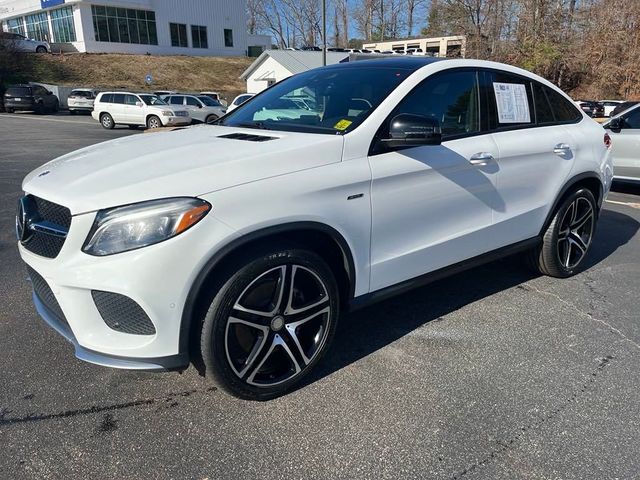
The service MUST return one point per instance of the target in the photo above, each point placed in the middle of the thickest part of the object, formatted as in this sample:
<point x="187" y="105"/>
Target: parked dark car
<point x="31" y="97"/>
<point x="622" y="107"/>
<point x="591" y="108"/>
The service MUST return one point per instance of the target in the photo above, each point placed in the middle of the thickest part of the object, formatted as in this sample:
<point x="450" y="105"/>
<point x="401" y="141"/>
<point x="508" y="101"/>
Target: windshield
<point x="331" y="101"/>
<point x="209" y="102"/>
<point x="152" y="100"/>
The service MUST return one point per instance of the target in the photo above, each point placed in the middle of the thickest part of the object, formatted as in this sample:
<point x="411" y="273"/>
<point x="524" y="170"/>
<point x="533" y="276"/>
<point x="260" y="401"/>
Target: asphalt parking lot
<point x="491" y="374"/>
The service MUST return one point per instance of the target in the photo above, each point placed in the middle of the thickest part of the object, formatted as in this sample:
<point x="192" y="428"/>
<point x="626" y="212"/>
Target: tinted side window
<point x="632" y="120"/>
<point x="193" y="101"/>
<point x="107" y="98"/>
<point x="130" y="99"/>
<point x="118" y="98"/>
<point x="449" y="97"/>
<point x="564" y="110"/>
<point x="493" y="79"/>
<point x="176" y="100"/>
<point x="544" y="112"/>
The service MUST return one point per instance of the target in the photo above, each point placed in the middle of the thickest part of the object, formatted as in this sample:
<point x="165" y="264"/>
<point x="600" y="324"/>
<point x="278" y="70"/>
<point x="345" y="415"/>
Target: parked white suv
<point x="202" y="109"/>
<point x="241" y="244"/>
<point x="625" y="138"/>
<point x="113" y="108"/>
<point x="81" y="100"/>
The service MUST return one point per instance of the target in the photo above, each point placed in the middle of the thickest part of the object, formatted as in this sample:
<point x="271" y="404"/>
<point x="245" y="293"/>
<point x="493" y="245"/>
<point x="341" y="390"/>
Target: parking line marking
<point x="44" y="119"/>
<point x="628" y="204"/>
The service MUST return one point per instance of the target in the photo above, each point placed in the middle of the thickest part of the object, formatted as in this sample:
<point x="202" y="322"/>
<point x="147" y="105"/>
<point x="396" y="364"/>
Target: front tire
<point x="106" y="121"/>
<point x="41" y="49"/>
<point x="270" y="323"/>
<point x="567" y="240"/>
<point x="10" y="110"/>
<point x="154" y="122"/>
<point x="210" y="119"/>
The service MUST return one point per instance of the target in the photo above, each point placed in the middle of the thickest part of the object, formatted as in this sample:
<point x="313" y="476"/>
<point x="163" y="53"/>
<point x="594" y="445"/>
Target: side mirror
<point x="616" y="124"/>
<point x="139" y="104"/>
<point x="409" y="130"/>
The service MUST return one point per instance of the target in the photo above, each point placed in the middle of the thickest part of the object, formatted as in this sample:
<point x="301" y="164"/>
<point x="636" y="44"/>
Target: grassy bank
<point x="179" y="73"/>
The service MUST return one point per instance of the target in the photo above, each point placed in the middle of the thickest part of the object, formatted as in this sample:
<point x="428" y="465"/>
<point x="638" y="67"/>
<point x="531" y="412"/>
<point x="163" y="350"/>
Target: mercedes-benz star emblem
<point x="23" y="232"/>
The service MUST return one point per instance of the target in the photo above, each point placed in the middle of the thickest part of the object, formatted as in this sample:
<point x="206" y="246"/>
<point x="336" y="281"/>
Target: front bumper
<point x="158" y="278"/>
<point x="173" y="121"/>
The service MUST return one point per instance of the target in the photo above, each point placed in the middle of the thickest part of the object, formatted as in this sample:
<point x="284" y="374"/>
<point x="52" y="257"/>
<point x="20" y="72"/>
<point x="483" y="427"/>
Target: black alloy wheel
<point x="270" y="324"/>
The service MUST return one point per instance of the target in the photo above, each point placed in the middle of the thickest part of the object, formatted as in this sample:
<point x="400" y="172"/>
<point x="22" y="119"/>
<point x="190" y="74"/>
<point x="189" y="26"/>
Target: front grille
<point x="122" y="314"/>
<point x="45" y="295"/>
<point x="40" y="242"/>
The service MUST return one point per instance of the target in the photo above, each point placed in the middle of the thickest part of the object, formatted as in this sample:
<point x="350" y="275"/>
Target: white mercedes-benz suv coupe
<point x="236" y="246"/>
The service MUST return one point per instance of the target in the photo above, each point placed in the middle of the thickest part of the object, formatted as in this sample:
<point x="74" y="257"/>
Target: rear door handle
<point x="481" y="159"/>
<point x="561" y="149"/>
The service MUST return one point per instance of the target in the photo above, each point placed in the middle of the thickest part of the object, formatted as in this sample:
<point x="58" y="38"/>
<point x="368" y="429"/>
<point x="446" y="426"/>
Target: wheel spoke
<point x="576" y="240"/>
<point x="579" y="222"/>
<point x="292" y="327"/>
<point x="277" y="341"/>
<point x="256" y="349"/>
<point x="289" y="310"/>
<point x="567" y="259"/>
<point x="279" y="294"/>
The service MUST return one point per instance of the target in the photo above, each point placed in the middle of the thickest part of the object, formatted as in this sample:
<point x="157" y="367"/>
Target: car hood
<point x="186" y="162"/>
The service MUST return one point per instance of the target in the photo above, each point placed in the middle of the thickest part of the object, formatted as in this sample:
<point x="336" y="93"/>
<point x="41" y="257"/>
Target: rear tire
<point x="211" y="118"/>
<point x="41" y="49"/>
<point x="10" y="110"/>
<point x="72" y="112"/>
<point x="106" y="121"/>
<point x="154" y="122"/>
<point x="269" y="323"/>
<point x="567" y="240"/>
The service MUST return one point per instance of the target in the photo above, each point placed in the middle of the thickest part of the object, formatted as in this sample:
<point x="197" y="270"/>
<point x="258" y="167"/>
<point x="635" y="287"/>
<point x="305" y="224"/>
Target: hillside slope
<point x="181" y="73"/>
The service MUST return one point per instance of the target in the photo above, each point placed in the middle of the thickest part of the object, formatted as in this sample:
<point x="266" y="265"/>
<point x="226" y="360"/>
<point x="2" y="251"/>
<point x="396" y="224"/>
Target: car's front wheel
<point x="41" y="49"/>
<point x="211" y="118"/>
<point x="154" y="122"/>
<point x="567" y="240"/>
<point x="270" y="323"/>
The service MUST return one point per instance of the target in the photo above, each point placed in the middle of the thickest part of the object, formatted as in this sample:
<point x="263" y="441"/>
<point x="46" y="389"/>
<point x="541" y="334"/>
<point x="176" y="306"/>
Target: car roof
<point x="405" y="63"/>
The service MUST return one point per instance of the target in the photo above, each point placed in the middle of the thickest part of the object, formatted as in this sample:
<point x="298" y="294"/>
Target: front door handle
<point x="562" y="149"/>
<point x="481" y="159"/>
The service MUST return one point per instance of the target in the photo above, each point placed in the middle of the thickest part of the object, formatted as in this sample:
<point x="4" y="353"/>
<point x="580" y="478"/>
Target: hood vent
<point x="247" y="137"/>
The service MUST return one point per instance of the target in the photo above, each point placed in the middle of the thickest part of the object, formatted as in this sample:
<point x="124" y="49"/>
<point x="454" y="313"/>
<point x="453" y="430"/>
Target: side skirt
<point x="393" y="290"/>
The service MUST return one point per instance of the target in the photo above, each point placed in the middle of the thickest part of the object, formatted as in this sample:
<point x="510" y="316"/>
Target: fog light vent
<point x="122" y="314"/>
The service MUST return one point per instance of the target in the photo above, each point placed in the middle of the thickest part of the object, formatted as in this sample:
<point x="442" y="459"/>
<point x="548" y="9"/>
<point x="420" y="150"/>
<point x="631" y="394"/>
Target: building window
<point x="228" y="37"/>
<point x="124" y="25"/>
<point x="16" y="25"/>
<point x="178" y="35"/>
<point x="199" y="37"/>
<point x="62" y="23"/>
<point x="38" y="27"/>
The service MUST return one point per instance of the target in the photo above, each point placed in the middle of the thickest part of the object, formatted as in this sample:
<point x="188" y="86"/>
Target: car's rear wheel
<point x="72" y="112"/>
<point x="56" y="107"/>
<point x="211" y="118"/>
<point x="567" y="240"/>
<point x="154" y="122"/>
<point x="270" y="323"/>
<point x="106" y="121"/>
<point x="41" y="49"/>
<point x="10" y="110"/>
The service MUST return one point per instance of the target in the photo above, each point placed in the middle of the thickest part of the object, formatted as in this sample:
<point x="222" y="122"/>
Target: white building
<point x="275" y="65"/>
<point x="452" y="46"/>
<point x="157" y="27"/>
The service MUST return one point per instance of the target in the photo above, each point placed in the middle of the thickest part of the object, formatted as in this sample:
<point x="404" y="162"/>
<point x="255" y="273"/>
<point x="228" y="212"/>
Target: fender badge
<point x="46" y="172"/>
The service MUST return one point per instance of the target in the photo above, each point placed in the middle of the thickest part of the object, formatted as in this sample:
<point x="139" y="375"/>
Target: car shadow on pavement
<point x="364" y="332"/>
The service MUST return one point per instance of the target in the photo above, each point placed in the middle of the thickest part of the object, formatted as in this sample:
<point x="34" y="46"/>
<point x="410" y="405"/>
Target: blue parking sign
<point x="50" y="3"/>
<point x="148" y="79"/>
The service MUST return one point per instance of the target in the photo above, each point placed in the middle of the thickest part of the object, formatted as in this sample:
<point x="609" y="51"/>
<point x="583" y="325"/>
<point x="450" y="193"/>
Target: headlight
<point x="167" y="113"/>
<point x="134" y="226"/>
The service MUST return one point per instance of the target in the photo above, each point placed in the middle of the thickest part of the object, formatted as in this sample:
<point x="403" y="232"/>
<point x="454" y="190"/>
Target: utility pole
<point x="324" y="32"/>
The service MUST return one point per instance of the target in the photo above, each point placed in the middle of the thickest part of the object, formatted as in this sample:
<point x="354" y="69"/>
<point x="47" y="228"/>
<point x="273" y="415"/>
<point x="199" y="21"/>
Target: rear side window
<point x="450" y="97"/>
<point x="107" y="98"/>
<point x="176" y="101"/>
<point x="632" y="120"/>
<point x="513" y="92"/>
<point x="117" y="98"/>
<point x="544" y="112"/>
<point x="19" y="91"/>
<point x="564" y="110"/>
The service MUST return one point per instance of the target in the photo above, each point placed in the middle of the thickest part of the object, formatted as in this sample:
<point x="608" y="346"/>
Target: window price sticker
<point x="512" y="102"/>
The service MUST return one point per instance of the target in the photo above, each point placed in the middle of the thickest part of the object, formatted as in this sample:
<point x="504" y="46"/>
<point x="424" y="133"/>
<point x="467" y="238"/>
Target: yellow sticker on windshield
<point x="342" y="124"/>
